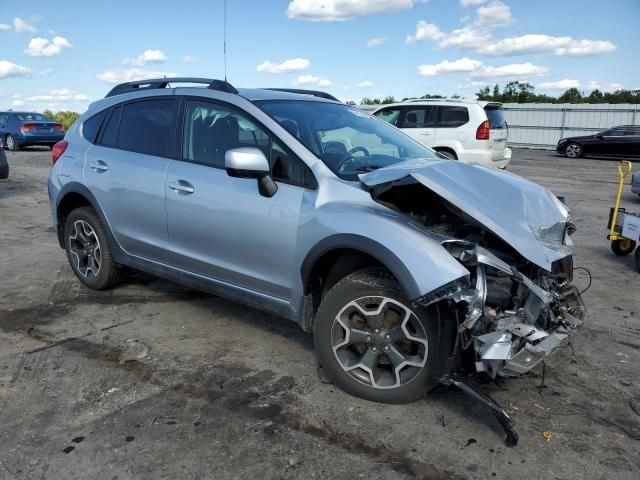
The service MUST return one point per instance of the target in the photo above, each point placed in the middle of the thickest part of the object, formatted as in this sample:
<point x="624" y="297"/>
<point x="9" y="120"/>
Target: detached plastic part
<point x="470" y="388"/>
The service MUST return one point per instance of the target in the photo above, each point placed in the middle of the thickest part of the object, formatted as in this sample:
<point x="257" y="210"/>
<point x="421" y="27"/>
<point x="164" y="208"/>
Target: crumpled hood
<point x="524" y="214"/>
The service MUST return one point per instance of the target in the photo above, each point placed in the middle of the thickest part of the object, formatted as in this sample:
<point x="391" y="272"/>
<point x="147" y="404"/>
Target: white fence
<point x="541" y="125"/>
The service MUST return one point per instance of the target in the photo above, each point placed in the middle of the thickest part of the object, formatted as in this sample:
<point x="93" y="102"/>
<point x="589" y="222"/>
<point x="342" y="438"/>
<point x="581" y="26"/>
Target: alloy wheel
<point x="573" y="150"/>
<point x="379" y="342"/>
<point x="85" y="249"/>
<point x="11" y="143"/>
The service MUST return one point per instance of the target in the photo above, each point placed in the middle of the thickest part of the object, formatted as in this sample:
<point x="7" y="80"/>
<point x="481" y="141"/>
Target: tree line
<point x="524" y="92"/>
<point x="65" y="119"/>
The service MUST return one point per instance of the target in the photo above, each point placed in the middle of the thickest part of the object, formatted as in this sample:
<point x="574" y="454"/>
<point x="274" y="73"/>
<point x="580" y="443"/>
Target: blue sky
<point x="62" y="55"/>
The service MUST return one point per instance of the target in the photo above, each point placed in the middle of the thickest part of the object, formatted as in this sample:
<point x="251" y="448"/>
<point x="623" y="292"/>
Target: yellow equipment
<point x="620" y="245"/>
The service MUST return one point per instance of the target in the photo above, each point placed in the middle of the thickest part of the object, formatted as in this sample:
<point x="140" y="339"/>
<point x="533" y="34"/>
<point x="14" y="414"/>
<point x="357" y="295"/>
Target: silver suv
<point x="405" y="265"/>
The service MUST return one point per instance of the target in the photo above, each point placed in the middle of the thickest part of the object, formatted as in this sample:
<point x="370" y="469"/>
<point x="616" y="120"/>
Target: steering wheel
<point x="349" y="160"/>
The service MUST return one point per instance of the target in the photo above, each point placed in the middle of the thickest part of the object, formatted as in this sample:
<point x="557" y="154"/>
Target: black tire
<point x="573" y="150"/>
<point x="109" y="273"/>
<point x="447" y="153"/>
<point x="622" y="247"/>
<point x="11" y="143"/>
<point x="375" y="282"/>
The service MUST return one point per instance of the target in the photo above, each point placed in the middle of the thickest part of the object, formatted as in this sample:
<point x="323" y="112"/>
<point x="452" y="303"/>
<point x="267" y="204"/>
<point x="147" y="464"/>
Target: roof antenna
<point x="225" y="40"/>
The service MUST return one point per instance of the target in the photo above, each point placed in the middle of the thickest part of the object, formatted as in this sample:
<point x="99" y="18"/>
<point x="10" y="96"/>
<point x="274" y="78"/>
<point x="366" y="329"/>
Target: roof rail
<point x="314" y="93"/>
<point x="445" y="99"/>
<point x="154" y="83"/>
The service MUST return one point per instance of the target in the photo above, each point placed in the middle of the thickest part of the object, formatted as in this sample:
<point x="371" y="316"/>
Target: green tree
<point x="484" y="93"/>
<point x="389" y="99"/>
<point x="66" y="119"/>
<point x="496" y="93"/>
<point x="572" y="95"/>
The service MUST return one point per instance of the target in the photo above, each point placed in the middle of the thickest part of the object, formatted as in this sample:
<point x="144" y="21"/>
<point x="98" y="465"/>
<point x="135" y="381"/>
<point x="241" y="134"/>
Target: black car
<point x="623" y="140"/>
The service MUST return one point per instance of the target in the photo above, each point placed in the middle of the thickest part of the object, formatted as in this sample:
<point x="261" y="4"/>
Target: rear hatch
<point x="499" y="129"/>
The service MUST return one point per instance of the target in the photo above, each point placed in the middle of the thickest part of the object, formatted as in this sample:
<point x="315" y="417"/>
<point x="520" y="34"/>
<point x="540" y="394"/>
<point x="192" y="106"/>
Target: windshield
<point x="30" y="117"/>
<point x="348" y="140"/>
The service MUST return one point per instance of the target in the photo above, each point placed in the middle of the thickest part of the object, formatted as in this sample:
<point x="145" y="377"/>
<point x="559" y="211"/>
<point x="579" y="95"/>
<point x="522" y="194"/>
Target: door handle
<point x="99" y="166"/>
<point x="426" y="133"/>
<point x="181" y="186"/>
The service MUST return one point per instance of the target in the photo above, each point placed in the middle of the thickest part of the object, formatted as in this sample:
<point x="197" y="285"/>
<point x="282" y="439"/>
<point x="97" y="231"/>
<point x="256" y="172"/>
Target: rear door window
<point x="148" y="127"/>
<point x="452" y="117"/>
<point x="91" y="127"/>
<point x="390" y="115"/>
<point x="418" y="117"/>
<point x="496" y="118"/>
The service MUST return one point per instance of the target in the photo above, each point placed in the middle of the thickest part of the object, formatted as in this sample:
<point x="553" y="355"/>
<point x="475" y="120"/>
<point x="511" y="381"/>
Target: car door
<point x="126" y="171"/>
<point x="631" y="141"/>
<point x="609" y="142"/>
<point x="419" y="123"/>
<point x="220" y="226"/>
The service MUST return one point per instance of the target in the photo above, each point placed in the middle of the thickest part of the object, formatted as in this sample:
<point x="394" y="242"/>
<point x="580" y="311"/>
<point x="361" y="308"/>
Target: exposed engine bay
<point x="513" y="313"/>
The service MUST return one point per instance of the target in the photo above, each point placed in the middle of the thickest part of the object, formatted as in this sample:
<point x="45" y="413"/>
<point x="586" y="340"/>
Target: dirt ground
<point x="224" y="391"/>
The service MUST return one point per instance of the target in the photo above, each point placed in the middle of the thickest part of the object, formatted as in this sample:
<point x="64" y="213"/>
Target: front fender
<point x="418" y="261"/>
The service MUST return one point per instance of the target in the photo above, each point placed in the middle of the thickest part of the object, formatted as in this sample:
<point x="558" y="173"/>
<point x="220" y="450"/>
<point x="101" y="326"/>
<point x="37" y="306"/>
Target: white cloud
<point x="456" y="66"/>
<point x="149" y="56"/>
<point x="559" y="85"/>
<point x="4" y="27"/>
<point x="607" y="87"/>
<point x="8" y="69"/>
<point x="62" y="95"/>
<point x="466" y="37"/>
<point x="21" y="26"/>
<point x="534" y="43"/>
<point x="288" y="66"/>
<point x="17" y="103"/>
<point x="472" y="3"/>
<point x="496" y="14"/>
<point x="312" y="80"/>
<point x="340" y="10"/>
<point x="41" y="47"/>
<point x="425" y="32"/>
<point x="188" y="59"/>
<point x="364" y="84"/>
<point x="514" y="70"/>
<point x="374" y="42"/>
<point x="130" y="74"/>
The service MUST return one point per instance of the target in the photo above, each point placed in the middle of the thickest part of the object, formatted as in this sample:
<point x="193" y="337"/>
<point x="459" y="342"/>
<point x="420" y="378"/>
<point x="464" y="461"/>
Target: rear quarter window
<point x="452" y="117"/>
<point x="91" y="126"/>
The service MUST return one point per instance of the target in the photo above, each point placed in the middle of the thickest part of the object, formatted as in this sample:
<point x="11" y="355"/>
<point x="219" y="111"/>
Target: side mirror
<point x="249" y="162"/>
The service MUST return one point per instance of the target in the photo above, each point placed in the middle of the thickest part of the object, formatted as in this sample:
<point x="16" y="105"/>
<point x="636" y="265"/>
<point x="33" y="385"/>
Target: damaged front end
<point x="511" y="320"/>
<point x="517" y="305"/>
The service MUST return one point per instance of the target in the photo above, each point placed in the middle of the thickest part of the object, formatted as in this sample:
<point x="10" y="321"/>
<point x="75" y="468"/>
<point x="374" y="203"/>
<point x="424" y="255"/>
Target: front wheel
<point x="573" y="150"/>
<point x="372" y="344"/>
<point x="88" y="250"/>
<point x="622" y="247"/>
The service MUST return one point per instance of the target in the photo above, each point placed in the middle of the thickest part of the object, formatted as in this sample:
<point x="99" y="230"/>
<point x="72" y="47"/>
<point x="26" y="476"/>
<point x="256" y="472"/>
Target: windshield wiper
<point x="366" y="168"/>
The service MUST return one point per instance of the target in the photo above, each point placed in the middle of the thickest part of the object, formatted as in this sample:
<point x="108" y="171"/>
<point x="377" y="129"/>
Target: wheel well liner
<point x="357" y="244"/>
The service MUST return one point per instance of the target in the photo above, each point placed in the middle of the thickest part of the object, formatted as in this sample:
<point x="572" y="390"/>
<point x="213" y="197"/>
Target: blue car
<point x="24" y="129"/>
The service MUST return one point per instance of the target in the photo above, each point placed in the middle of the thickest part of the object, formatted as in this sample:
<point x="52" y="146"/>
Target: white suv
<point x="465" y="130"/>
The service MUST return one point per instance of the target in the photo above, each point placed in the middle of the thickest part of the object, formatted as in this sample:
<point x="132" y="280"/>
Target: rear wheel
<point x="11" y="143"/>
<point x="637" y="255"/>
<point x="372" y="344"/>
<point x="622" y="247"/>
<point x="88" y="250"/>
<point x="573" y="150"/>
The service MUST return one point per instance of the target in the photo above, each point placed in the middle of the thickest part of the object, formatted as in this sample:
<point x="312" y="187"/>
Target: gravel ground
<point x="224" y="391"/>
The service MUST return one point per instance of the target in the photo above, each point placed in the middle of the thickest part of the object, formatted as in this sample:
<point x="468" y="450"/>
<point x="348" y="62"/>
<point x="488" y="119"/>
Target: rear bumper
<point x="26" y="140"/>
<point x="487" y="157"/>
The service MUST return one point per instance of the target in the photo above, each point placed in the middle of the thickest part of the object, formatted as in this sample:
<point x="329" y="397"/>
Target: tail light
<point x="57" y="126"/>
<point x="27" y="127"/>
<point x="483" y="131"/>
<point x="57" y="151"/>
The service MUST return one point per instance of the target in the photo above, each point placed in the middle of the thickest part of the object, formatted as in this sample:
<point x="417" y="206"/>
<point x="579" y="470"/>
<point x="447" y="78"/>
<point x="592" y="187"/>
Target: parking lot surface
<point x="152" y="380"/>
